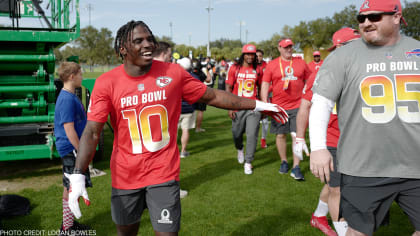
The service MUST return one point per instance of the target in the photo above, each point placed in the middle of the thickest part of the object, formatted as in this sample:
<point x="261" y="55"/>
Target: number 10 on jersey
<point x="140" y="124"/>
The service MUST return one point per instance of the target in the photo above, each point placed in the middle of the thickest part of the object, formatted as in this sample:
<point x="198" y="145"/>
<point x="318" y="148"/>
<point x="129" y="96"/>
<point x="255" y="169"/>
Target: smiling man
<point x="379" y="118"/>
<point x="143" y="98"/>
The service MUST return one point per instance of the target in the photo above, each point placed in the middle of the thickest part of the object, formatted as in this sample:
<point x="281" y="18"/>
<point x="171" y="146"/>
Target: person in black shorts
<point x="69" y="123"/>
<point x="379" y="119"/>
<point x="200" y="107"/>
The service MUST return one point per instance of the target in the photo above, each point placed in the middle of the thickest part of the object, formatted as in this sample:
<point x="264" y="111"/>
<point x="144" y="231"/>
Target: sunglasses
<point x="374" y="17"/>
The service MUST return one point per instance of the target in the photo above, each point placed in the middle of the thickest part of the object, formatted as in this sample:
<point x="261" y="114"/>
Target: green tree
<point x="165" y="39"/>
<point x="225" y="48"/>
<point x="301" y="35"/>
<point x="65" y="52"/>
<point x="317" y="33"/>
<point x="87" y="43"/>
<point x="95" y="46"/>
<point x="58" y="55"/>
<point x="201" y="51"/>
<point x="345" y="18"/>
<point x="321" y="31"/>
<point x="270" y="46"/>
<point x="222" y="43"/>
<point x="105" y="53"/>
<point x="183" y="49"/>
<point x="411" y="13"/>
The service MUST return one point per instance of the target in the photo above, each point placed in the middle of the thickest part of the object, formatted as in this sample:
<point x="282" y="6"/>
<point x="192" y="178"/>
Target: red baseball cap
<point x="249" y="48"/>
<point x="317" y="53"/>
<point x="344" y="35"/>
<point x="383" y="6"/>
<point x="285" y="43"/>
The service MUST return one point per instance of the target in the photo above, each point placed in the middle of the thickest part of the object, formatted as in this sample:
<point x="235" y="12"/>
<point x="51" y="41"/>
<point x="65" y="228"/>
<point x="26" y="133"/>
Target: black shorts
<point x="365" y="202"/>
<point x="335" y="176"/>
<point x="162" y="200"/>
<point x="289" y="127"/>
<point x="69" y="161"/>
<point x="200" y="106"/>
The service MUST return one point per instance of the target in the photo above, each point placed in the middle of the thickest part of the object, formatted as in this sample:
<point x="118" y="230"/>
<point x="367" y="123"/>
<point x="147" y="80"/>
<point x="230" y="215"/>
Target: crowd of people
<point x="361" y="103"/>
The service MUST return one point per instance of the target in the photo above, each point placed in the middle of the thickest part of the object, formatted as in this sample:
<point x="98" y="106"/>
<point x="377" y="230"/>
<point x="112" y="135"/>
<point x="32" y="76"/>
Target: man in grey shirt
<point x="376" y="85"/>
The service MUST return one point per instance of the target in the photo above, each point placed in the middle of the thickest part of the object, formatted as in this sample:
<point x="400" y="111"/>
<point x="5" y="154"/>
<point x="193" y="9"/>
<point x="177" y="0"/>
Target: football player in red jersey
<point x="143" y="98"/>
<point x="288" y="76"/>
<point x="316" y="63"/>
<point x="244" y="79"/>
<point x="264" y="120"/>
<point x="330" y="194"/>
<point x="378" y="149"/>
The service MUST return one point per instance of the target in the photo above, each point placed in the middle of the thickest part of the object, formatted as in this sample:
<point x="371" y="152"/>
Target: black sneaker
<point x="75" y="230"/>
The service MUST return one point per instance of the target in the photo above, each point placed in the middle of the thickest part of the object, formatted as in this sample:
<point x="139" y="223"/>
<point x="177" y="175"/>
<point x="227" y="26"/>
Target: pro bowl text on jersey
<point x="392" y="66"/>
<point x="154" y="96"/>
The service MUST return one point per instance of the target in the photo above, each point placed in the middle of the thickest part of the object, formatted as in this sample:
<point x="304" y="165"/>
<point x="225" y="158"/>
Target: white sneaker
<point x="183" y="193"/>
<point x="248" y="168"/>
<point x="184" y="154"/>
<point x="241" y="156"/>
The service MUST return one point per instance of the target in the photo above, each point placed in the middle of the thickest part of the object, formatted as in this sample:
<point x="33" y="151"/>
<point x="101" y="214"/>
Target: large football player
<point x="375" y="86"/>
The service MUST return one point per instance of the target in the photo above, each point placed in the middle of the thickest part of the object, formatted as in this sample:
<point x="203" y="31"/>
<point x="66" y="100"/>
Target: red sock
<point x="68" y="216"/>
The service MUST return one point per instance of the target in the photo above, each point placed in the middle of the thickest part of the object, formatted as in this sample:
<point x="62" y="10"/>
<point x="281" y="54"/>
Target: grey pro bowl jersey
<point x="377" y="91"/>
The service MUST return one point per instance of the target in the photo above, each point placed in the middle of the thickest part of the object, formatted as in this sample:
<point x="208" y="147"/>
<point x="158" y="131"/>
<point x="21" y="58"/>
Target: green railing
<point x="27" y="63"/>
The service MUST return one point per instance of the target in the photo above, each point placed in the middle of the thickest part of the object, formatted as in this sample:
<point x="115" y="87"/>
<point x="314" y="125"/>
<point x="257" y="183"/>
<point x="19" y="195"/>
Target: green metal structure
<point x="28" y="90"/>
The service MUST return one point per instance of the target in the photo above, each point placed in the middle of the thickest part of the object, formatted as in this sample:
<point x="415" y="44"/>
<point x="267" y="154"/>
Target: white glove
<point x="300" y="145"/>
<point x="264" y="106"/>
<point x="273" y="110"/>
<point x="77" y="190"/>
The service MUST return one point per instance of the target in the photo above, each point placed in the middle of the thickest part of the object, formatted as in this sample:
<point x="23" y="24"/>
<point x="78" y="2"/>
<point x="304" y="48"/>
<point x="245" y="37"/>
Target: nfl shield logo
<point x="140" y="87"/>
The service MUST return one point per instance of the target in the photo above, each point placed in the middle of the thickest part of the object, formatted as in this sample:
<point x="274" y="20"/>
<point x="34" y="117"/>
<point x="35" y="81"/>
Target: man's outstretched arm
<point x="229" y="101"/>
<point x="225" y="100"/>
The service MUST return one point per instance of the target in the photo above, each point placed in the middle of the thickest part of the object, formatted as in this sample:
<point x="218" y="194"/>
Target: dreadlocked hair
<point x="124" y="34"/>
<point x="241" y="61"/>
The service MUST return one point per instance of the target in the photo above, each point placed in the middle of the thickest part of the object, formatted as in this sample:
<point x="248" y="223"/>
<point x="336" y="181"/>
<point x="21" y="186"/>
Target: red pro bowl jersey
<point x="244" y="80"/>
<point x="144" y="113"/>
<point x="263" y="65"/>
<point x="287" y="86"/>
<point x="314" y="67"/>
<point x="333" y="132"/>
<point x="307" y="91"/>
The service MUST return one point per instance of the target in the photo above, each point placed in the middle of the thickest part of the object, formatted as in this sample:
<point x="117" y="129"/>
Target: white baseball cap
<point x="185" y="63"/>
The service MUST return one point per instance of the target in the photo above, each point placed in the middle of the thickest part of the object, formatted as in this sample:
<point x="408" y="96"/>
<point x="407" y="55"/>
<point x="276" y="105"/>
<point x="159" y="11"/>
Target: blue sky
<point x="260" y="18"/>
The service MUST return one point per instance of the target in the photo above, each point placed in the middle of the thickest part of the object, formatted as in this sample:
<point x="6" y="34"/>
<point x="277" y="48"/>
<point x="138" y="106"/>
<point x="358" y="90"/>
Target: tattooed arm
<point x="225" y="100"/>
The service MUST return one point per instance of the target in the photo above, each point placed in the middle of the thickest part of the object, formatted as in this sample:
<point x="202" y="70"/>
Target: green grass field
<point x="222" y="200"/>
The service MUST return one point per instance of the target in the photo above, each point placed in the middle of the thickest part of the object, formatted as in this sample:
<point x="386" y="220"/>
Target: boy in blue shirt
<point x="69" y="123"/>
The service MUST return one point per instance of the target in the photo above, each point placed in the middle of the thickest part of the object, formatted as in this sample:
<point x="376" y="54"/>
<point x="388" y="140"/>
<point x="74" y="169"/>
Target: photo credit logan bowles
<point x="37" y="232"/>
